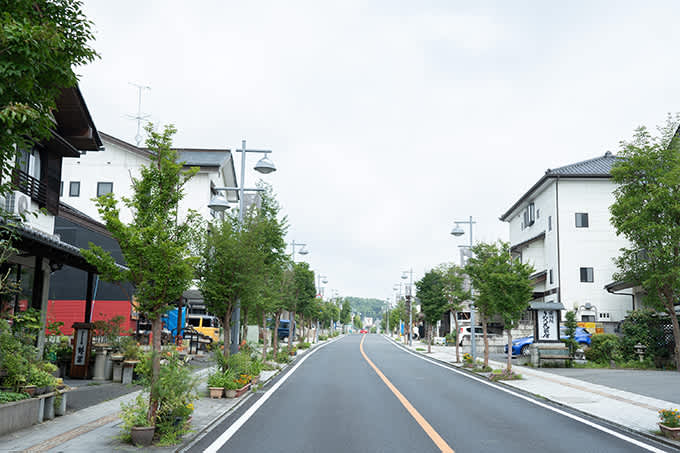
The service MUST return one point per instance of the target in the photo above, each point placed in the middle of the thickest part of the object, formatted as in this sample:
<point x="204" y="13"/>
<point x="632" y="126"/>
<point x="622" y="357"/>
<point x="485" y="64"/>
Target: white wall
<point x="594" y="246"/>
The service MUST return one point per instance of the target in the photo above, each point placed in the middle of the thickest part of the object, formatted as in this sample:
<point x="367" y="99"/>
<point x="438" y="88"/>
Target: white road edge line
<point x="538" y="403"/>
<point x="225" y="436"/>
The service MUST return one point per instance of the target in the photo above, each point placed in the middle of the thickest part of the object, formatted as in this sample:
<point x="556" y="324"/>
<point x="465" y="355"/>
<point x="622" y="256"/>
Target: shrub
<point x="283" y="356"/>
<point x="603" y="348"/>
<point x="240" y="363"/>
<point x="8" y="397"/>
<point x="323" y="337"/>
<point x="303" y="345"/>
<point x="646" y="327"/>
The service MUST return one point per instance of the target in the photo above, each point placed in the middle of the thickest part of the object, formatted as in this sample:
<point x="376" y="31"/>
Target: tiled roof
<point x="599" y="166"/>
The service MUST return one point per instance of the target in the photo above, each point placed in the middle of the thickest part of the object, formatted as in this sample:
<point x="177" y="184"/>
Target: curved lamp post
<point x="219" y="204"/>
<point x="458" y="231"/>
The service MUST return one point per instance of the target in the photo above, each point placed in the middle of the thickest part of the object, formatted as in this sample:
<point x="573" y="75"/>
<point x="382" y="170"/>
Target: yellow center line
<point x="429" y="430"/>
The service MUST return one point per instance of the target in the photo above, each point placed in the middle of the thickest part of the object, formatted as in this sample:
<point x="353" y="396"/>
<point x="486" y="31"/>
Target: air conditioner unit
<point x="16" y="203"/>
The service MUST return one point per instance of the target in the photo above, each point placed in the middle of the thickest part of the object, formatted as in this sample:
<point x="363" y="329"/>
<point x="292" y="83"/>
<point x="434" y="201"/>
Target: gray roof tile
<point x="599" y="166"/>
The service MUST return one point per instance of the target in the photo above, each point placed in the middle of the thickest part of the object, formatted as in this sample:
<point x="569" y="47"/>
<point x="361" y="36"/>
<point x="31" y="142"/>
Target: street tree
<point x="456" y="292"/>
<point x="432" y="299"/>
<point x="646" y="211"/>
<point x="41" y="43"/>
<point x="346" y="313"/>
<point x="357" y="322"/>
<point x="156" y="245"/>
<point x="304" y="291"/>
<point x="227" y="270"/>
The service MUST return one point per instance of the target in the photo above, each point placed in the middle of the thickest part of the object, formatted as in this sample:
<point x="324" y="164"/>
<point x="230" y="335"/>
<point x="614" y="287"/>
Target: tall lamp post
<point x="408" y="305"/>
<point x="217" y="203"/>
<point x="303" y="251"/>
<point x="458" y="231"/>
<point x="323" y="279"/>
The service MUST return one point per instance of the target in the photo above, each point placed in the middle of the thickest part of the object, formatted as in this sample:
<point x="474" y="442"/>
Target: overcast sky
<point x="389" y="119"/>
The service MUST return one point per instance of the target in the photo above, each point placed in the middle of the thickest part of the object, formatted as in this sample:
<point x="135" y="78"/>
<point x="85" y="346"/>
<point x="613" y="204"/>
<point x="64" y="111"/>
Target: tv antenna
<point x="139" y="117"/>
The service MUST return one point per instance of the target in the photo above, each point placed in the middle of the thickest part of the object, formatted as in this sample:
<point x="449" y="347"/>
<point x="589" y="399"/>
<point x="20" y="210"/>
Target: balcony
<point x="31" y="186"/>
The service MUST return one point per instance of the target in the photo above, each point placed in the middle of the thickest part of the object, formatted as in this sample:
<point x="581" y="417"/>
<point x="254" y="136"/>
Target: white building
<point x="561" y="226"/>
<point x="94" y="174"/>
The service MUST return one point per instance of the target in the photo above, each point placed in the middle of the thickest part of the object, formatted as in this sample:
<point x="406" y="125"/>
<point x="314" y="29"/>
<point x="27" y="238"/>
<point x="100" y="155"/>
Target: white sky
<point x="389" y="119"/>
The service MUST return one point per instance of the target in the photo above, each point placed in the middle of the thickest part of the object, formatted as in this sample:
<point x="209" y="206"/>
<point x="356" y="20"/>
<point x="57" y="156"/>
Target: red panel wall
<point x="70" y="311"/>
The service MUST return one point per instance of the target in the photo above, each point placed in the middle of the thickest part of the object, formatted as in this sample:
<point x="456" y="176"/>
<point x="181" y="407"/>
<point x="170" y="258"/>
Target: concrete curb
<point x="647" y="435"/>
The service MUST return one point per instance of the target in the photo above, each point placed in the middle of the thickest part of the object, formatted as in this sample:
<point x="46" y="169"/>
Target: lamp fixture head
<point x="265" y="166"/>
<point x="457" y="231"/>
<point x="218" y="203"/>
<point x="303" y="251"/>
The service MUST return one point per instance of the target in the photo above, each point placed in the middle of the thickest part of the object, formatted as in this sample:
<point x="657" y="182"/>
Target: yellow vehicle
<point x="205" y="324"/>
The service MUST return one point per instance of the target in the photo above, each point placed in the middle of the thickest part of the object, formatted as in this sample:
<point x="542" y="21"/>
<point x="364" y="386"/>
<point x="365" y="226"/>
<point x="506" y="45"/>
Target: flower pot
<point x="30" y="389"/>
<point x="216" y="392"/>
<point x="242" y="390"/>
<point x="671" y="433"/>
<point x="230" y="393"/>
<point x="142" y="435"/>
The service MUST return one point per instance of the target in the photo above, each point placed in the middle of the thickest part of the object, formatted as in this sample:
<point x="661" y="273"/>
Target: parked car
<point x="464" y="333"/>
<point x="520" y="346"/>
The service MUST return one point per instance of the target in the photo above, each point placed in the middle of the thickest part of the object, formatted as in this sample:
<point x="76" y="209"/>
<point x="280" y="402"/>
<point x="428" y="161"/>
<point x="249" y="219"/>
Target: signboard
<point x="82" y="342"/>
<point x="80" y="347"/>
<point x="547" y="325"/>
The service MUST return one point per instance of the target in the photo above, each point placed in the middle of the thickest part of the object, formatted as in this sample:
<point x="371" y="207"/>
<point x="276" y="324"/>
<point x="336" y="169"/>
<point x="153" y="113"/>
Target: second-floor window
<point x="550" y="276"/>
<point x="549" y="223"/>
<point x="74" y="189"/>
<point x="581" y="220"/>
<point x="103" y="188"/>
<point x="587" y="274"/>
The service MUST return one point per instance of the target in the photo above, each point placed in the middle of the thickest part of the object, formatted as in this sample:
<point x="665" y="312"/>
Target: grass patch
<point x="420" y="349"/>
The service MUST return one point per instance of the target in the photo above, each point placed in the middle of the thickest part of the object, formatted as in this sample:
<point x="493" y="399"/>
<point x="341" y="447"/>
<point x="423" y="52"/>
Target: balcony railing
<point x="30" y="186"/>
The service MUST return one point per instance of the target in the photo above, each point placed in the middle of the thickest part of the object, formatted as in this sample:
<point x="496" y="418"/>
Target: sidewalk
<point x="629" y="410"/>
<point x="97" y="428"/>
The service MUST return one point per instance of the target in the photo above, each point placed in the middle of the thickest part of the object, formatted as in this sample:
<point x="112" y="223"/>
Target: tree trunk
<point x="156" y="327"/>
<point x="227" y="333"/>
<point x="455" y="320"/>
<point x="486" y="341"/>
<point x="264" y="335"/>
<point x="429" y="338"/>
<point x="509" y="368"/>
<point x="302" y="323"/>
<point x="670" y="309"/>
<point x="244" y="324"/>
<point x="291" y="330"/>
<point x="277" y="320"/>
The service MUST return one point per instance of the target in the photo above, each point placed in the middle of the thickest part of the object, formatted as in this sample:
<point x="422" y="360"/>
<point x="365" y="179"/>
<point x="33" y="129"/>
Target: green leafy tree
<point x="397" y="314"/>
<point x="357" y="322"/>
<point x="156" y="245"/>
<point x="570" y="325"/>
<point x="41" y="41"/>
<point x="346" y="312"/>
<point x="432" y="299"/>
<point x="646" y="211"/>
<point x="502" y="288"/>
<point x="453" y="280"/>
<point x="304" y="291"/>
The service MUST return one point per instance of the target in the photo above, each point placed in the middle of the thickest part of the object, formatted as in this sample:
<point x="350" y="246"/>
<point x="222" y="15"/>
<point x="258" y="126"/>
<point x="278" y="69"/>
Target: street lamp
<point x="264" y="166"/>
<point x="408" y="305"/>
<point x="458" y="231"/>
<point x="324" y="280"/>
<point x="303" y="251"/>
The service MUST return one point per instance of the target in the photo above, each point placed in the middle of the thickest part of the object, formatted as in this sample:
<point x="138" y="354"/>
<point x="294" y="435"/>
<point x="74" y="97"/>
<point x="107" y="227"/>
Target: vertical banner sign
<point x="81" y="347"/>
<point x="547" y="325"/>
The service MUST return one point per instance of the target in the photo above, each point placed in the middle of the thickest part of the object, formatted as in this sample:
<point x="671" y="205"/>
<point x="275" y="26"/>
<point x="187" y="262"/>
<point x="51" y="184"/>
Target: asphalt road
<point x="335" y="401"/>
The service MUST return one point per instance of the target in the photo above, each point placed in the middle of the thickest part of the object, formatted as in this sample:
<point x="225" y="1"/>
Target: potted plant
<point x="216" y="384"/>
<point x="670" y="423"/>
<point x="134" y="416"/>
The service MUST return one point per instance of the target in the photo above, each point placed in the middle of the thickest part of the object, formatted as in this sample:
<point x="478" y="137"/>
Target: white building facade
<point x="112" y="170"/>
<point x="561" y="226"/>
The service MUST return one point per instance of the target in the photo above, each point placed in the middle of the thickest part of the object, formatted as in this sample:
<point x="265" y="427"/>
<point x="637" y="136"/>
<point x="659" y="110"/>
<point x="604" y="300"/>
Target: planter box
<point x="242" y="390"/>
<point x="216" y="392"/>
<point x="671" y="433"/>
<point x="20" y="414"/>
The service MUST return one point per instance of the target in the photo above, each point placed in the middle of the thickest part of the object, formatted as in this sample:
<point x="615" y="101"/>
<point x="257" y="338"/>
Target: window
<point x="532" y="214"/>
<point x="74" y="189"/>
<point x="550" y="276"/>
<point x="103" y="188"/>
<point x="549" y="223"/>
<point x="538" y="213"/>
<point x="587" y="274"/>
<point x="61" y="189"/>
<point x="581" y="220"/>
<point x="587" y="318"/>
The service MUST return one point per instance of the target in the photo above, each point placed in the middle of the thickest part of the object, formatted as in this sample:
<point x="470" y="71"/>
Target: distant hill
<point x="367" y="307"/>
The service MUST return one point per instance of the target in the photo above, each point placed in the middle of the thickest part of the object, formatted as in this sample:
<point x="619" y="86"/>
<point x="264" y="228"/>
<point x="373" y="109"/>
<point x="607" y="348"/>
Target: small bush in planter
<point x="8" y="397"/>
<point x="303" y="345"/>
